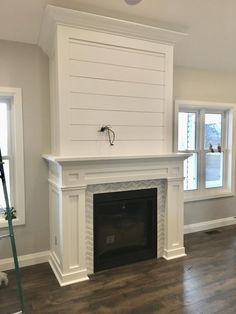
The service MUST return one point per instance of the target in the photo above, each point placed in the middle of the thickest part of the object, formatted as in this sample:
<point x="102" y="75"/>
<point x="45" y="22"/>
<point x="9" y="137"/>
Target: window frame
<point x="228" y="114"/>
<point x="13" y="97"/>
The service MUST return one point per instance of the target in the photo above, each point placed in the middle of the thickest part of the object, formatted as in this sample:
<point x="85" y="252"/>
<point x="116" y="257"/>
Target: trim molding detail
<point x="54" y="16"/>
<point x="25" y="260"/>
<point x="211" y="224"/>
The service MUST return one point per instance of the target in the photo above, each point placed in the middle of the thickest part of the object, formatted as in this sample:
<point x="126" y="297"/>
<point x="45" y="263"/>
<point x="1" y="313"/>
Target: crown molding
<point x="54" y="16"/>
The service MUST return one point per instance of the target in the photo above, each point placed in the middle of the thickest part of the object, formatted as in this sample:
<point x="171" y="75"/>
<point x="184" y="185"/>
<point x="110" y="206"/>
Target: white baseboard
<point x="211" y="224"/>
<point x="174" y="253"/>
<point x="25" y="260"/>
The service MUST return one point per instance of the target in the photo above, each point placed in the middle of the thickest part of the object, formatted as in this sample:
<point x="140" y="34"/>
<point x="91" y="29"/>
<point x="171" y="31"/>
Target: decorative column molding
<point x="174" y="223"/>
<point x="69" y="235"/>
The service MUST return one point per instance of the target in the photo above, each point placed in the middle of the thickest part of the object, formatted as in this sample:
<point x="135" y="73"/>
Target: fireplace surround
<point x="159" y="185"/>
<point x="74" y="181"/>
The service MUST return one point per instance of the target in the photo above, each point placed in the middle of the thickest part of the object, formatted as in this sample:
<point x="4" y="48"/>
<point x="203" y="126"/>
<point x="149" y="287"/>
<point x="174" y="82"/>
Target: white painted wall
<point x="26" y="66"/>
<point x="203" y="85"/>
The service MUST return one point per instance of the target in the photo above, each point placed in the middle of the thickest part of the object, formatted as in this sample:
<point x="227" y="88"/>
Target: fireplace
<point x="76" y="184"/>
<point x="125" y="227"/>
<point x="109" y="72"/>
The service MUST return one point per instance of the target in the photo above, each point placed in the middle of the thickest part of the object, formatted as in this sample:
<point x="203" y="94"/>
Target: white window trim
<point x="229" y="187"/>
<point x="14" y="95"/>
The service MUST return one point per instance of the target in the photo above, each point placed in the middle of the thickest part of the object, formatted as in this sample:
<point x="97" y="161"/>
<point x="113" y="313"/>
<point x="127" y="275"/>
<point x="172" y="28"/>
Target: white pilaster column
<point x="174" y="220"/>
<point x="70" y="237"/>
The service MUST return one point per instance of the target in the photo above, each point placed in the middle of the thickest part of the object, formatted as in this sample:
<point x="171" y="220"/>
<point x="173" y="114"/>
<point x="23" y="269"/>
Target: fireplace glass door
<point x="125" y="227"/>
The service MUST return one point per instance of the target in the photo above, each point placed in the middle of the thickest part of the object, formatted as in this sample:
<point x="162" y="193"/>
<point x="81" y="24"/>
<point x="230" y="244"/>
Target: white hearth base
<point x="72" y="181"/>
<point x="175" y="253"/>
<point x="69" y="278"/>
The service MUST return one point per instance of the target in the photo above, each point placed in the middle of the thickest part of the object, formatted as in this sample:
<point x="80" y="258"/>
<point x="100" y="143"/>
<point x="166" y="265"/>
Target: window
<point x="11" y="143"/>
<point x="205" y="130"/>
<point x="5" y="146"/>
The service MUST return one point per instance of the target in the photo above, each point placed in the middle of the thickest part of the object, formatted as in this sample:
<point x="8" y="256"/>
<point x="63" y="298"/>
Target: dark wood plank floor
<point x="202" y="282"/>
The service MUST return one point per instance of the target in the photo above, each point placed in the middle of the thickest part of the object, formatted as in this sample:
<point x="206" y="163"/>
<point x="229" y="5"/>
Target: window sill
<point x="207" y="196"/>
<point x="16" y="222"/>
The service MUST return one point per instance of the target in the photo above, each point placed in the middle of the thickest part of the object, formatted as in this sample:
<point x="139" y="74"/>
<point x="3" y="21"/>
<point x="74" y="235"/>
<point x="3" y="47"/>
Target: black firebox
<point x="125" y="228"/>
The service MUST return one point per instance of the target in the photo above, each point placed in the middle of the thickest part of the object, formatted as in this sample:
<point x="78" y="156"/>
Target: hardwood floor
<point x="202" y="282"/>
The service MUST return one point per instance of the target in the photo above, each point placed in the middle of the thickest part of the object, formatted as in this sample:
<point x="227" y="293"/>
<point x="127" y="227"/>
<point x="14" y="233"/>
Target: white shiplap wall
<point x="109" y="80"/>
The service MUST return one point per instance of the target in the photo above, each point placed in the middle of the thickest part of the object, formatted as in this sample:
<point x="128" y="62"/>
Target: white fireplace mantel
<point x="69" y="178"/>
<point x="82" y="171"/>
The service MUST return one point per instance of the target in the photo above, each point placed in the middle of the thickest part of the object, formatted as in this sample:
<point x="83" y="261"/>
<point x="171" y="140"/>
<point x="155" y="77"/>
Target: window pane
<point x="187" y="131"/>
<point x="214" y="170"/>
<point x="1" y="211"/>
<point x="2" y="199"/>
<point x="3" y="128"/>
<point x="190" y="173"/>
<point x="213" y="126"/>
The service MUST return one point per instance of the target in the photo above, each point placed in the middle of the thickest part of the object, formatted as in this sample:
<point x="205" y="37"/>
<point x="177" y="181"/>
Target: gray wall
<point x="26" y="66"/>
<point x="192" y="84"/>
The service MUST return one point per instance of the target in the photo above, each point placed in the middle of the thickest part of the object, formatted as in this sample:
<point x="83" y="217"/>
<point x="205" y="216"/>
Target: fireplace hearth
<point x="125" y="227"/>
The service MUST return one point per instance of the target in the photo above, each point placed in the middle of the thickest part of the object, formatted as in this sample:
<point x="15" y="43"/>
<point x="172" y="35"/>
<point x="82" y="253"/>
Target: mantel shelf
<point x="69" y="159"/>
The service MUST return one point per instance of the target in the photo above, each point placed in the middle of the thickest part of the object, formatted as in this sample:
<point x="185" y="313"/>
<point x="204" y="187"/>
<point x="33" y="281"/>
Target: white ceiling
<point x="211" y="24"/>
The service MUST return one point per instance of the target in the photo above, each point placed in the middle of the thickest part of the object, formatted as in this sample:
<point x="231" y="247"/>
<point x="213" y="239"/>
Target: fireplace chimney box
<point x="105" y="71"/>
<point x="108" y="72"/>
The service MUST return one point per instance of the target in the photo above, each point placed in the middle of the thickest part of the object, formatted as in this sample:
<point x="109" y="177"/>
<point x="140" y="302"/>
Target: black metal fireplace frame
<point x="129" y="257"/>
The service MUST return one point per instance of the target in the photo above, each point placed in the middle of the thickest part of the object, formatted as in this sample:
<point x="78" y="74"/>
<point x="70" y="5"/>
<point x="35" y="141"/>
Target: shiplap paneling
<point x="115" y="103"/>
<point x="107" y="87"/>
<point x="118" y="56"/>
<point x="80" y="116"/>
<point x="102" y="83"/>
<point x="103" y="148"/>
<point x="115" y="72"/>
<point x="116" y="86"/>
<point x="123" y="133"/>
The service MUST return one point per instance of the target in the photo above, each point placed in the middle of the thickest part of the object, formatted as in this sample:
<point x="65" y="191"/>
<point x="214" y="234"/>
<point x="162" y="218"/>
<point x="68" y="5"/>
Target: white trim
<point x="168" y="112"/>
<point x="54" y="16"/>
<point x="193" y="104"/>
<point x="65" y="279"/>
<point x="211" y="224"/>
<point x="15" y="96"/>
<point x="84" y="159"/>
<point x="25" y="260"/>
<point x="229" y="168"/>
<point x="68" y="257"/>
<point x="175" y="253"/>
<point x="217" y="193"/>
<point x="16" y="222"/>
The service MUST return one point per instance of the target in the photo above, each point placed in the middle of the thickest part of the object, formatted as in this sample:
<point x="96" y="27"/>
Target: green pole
<point x="12" y="238"/>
